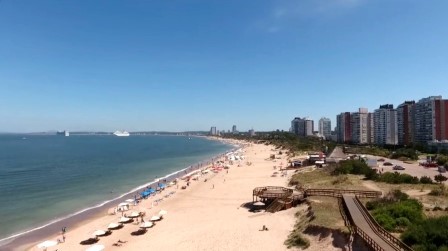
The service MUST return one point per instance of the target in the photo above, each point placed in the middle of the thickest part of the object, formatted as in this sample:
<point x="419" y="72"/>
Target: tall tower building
<point x="385" y="125"/>
<point x="325" y="127"/>
<point x="234" y="129"/>
<point x="213" y="131"/>
<point x="361" y="127"/>
<point x="431" y="119"/>
<point x="302" y="126"/>
<point x="405" y="123"/>
<point x="343" y="125"/>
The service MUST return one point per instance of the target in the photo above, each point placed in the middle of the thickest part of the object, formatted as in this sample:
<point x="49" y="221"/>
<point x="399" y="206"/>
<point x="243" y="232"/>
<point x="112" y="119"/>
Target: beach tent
<point x="147" y="224"/>
<point x="130" y="200"/>
<point x="96" y="247"/>
<point x="47" y="244"/>
<point x="162" y="212"/>
<point x="123" y="206"/>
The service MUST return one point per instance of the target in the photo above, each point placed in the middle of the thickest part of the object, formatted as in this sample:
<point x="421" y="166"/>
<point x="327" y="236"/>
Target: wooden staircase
<point x="275" y="206"/>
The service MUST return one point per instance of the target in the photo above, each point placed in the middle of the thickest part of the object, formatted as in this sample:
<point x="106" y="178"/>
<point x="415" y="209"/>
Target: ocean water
<point x="44" y="178"/>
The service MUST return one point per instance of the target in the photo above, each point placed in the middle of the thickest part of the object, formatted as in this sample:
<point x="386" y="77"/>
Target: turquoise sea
<point x="45" y="178"/>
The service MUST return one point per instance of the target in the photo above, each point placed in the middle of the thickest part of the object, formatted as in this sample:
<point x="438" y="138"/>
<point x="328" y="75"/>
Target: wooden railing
<point x="383" y="233"/>
<point x="264" y="191"/>
<point x="339" y="192"/>
<point x="368" y="239"/>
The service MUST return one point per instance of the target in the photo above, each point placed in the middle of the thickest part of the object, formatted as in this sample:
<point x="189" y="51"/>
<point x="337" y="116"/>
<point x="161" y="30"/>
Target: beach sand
<point x="205" y="216"/>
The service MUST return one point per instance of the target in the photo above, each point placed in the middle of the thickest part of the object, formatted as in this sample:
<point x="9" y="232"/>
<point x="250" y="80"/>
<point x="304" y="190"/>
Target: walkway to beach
<point x="359" y="220"/>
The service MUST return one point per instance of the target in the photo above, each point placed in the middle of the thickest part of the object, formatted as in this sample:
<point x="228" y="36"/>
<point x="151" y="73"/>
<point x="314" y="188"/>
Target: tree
<point x="440" y="178"/>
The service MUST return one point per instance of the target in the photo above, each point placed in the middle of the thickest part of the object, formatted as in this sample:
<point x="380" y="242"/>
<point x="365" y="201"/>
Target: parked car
<point x="387" y="164"/>
<point x="381" y="160"/>
<point x="398" y="168"/>
<point x="442" y="169"/>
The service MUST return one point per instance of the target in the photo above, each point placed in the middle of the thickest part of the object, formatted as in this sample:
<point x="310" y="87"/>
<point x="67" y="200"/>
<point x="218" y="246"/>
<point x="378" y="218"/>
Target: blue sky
<point x="189" y="65"/>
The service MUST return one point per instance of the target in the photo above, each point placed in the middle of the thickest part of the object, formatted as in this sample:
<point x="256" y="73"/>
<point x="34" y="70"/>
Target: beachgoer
<point x="63" y="238"/>
<point x="213" y="186"/>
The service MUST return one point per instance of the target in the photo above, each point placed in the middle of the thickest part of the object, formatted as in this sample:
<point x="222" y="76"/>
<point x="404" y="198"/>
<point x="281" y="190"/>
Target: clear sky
<point x="188" y="65"/>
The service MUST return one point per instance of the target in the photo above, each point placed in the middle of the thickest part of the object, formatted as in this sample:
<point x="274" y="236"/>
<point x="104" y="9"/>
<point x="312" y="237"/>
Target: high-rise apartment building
<point x="385" y="125"/>
<point x="343" y="125"/>
<point x="361" y="127"/>
<point x="325" y="127"/>
<point x="405" y="123"/>
<point x="213" y="131"/>
<point x="234" y="129"/>
<point x="302" y="126"/>
<point x="431" y="120"/>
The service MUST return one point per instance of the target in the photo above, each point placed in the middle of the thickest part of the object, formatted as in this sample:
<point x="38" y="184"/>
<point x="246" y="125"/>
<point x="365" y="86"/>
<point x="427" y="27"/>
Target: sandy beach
<point x="205" y="216"/>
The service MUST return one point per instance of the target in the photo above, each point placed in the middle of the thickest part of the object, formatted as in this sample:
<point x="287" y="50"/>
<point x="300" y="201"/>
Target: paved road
<point x="361" y="222"/>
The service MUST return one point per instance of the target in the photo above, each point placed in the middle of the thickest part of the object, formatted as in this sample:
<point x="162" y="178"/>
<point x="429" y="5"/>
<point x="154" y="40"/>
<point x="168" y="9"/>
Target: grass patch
<point x="326" y="213"/>
<point x="322" y="179"/>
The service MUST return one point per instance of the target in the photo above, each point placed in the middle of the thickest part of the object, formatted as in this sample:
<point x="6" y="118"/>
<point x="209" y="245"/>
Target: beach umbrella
<point x="96" y="247"/>
<point x="162" y="212"/>
<point x="123" y="204"/>
<point x="130" y="200"/>
<point x="124" y="220"/>
<point x="155" y="218"/>
<point x="114" y="226"/>
<point x="99" y="233"/>
<point x="47" y="244"/>
<point x="258" y="203"/>
<point x="133" y="215"/>
<point x="147" y="224"/>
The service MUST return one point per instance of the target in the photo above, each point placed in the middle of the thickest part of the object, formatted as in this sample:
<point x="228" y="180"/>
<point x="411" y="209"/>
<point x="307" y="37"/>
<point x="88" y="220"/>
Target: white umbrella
<point x="96" y="247"/>
<point x="162" y="212"/>
<point x="258" y="203"/>
<point x="133" y="214"/>
<point x="47" y="244"/>
<point x="113" y="225"/>
<point x="130" y="200"/>
<point x="155" y="218"/>
<point x="99" y="233"/>
<point x="124" y="219"/>
<point x="147" y="224"/>
<point x="123" y="204"/>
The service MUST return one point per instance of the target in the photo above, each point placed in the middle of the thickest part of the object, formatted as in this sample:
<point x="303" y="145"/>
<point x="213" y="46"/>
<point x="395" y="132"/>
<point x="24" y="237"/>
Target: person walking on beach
<point x="213" y="186"/>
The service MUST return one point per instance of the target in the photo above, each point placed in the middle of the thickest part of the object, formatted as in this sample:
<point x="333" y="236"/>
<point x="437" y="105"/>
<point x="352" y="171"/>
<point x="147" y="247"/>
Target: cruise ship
<point x="121" y="133"/>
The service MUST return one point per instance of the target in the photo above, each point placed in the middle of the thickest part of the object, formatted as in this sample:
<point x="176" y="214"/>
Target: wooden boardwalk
<point x="362" y="226"/>
<point x="360" y="220"/>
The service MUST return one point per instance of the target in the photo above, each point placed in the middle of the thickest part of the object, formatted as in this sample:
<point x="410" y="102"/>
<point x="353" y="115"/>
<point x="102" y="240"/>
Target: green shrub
<point x="426" y="180"/>
<point x="429" y="234"/>
<point x="296" y="239"/>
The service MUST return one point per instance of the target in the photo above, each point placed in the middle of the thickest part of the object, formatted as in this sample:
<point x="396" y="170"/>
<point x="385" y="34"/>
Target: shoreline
<point x="24" y="240"/>
<point x="210" y="214"/>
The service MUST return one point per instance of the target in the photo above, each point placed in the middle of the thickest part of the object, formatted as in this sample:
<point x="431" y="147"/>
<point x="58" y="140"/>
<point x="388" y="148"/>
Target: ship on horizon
<point x="63" y="133"/>
<point x="121" y="133"/>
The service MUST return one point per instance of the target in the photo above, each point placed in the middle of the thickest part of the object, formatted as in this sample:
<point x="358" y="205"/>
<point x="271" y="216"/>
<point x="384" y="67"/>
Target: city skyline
<point x="185" y="66"/>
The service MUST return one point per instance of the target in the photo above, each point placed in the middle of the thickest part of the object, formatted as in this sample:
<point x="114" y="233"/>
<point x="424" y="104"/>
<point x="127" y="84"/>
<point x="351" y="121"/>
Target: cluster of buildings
<point x="422" y="123"/>
<point x="216" y="132"/>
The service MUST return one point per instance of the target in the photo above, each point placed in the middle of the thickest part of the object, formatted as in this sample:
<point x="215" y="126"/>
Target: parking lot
<point x="411" y="169"/>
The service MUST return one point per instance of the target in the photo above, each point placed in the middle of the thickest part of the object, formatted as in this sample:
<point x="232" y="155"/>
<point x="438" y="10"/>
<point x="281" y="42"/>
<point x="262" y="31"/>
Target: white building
<point x="325" y="127"/>
<point x="213" y="131"/>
